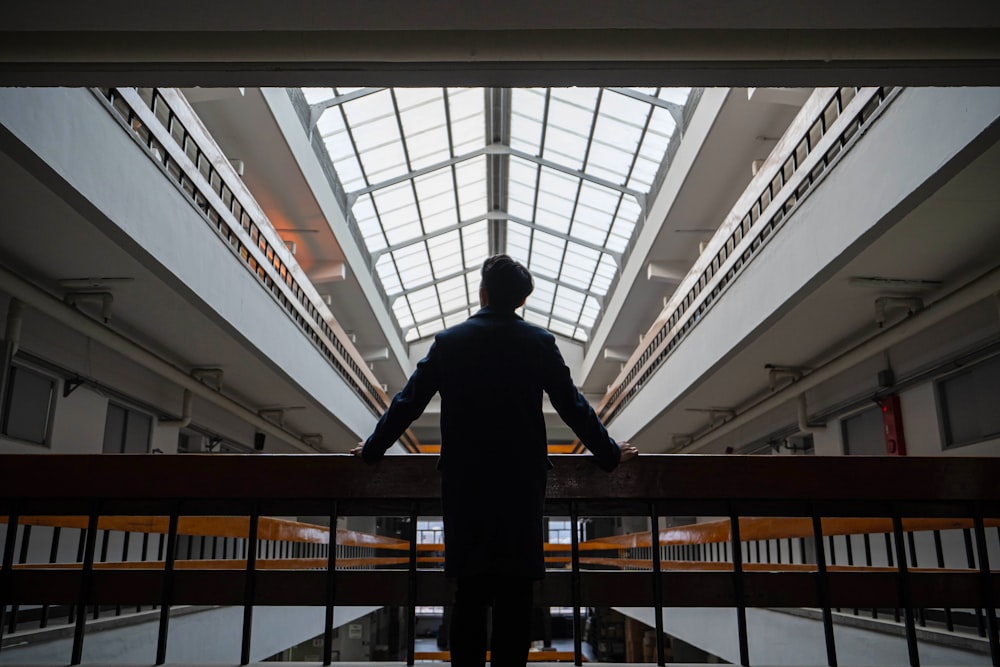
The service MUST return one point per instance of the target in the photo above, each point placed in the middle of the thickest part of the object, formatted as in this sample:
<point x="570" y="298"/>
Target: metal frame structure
<point x="557" y="178"/>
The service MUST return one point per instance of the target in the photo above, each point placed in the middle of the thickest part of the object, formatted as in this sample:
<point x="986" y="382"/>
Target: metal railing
<point x="830" y="123"/>
<point x="165" y="125"/>
<point x="815" y="489"/>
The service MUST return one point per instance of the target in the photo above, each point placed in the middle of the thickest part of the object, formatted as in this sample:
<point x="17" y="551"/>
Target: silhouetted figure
<point x="491" y="371"/>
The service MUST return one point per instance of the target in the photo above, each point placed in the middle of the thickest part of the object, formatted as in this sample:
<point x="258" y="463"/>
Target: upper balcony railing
<point x="761" y="502"/>
<point x="831" y="121"/>
<point x="166" y="126"/>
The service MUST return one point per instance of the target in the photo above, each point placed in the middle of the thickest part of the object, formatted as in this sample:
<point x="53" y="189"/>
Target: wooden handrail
<point x="681" y="485"/>
<point x="240" y="564"/>
<point x="710" y="532"/>
<point x="772" y="528"/>
<point x="238" y="527"/>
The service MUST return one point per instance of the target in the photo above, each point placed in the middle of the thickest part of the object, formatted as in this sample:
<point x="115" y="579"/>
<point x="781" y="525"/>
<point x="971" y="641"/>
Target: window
<point x="126" y="431"/>
<point x="969" y="402"/>
<point x="560" y="531"/>
<point x="864" y="434"/>
<point x="430" y="532"/>
<point x="30" y="399"/>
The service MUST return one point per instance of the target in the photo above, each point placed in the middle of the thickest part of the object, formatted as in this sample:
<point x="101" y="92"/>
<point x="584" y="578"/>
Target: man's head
<point x="506" y="283"/>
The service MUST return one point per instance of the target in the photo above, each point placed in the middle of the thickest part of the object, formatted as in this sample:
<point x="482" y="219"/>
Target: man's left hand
<point x="357" y="450"/>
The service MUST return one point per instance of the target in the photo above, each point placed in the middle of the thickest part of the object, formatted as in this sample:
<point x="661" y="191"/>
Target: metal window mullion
<point x="411" y="174"/>
<point x="534" y="226"/>
<point x="454" y="185"/>
<point x="316" y="110"/>
<point x="676" y="110"/>
<point x="441" y="316"/>
<point x="431" y="283"/>
<point x="538" y="174"/>
<point x="555" y="318"/>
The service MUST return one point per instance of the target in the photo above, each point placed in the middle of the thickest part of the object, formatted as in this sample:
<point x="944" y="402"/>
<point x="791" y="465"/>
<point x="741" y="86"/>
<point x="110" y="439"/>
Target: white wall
<point x="849" y="206"/>
<point x="70" y="130"/>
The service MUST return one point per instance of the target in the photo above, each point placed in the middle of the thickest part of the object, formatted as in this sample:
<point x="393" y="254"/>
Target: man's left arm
<point x="577" y="412"/>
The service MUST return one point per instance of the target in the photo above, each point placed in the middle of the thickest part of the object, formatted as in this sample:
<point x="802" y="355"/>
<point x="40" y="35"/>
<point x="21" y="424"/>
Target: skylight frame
<point x="595" y="157"/>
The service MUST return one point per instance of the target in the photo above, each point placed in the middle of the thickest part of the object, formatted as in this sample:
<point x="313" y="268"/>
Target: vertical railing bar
<point x="970" y="558"/>
<point x="21" y="558"/>
<point x="144" y="555"/>
<point x="891" y="563"/>
<point x="81" y="548"/>
<point x="850" y="554"/>
<point x="125" y="548"/>
<point x="7" y="576"/>
<point x="86" y="581"/>
<point x="575" y="587"/>
<point x="411" y="592"/>
<point x="654" y="516"/>
<point x="331" y="585"/>
<point x="939" y="553"/>
<point x="904" y="590"/>
<point x="167" y="594"/>
<point x="823" y="587"/>
<point x="105" y="541"/>
<point x="868" y="561"/>
<point x="986" y="589"/>
<point x="912" y="543"/>
<point x="741" y="609"/>
<point x="53" y="557"/>
<point x="250" y="584"/>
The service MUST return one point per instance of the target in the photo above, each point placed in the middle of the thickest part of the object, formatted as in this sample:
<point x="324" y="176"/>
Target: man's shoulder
<point x="486" y="323"/>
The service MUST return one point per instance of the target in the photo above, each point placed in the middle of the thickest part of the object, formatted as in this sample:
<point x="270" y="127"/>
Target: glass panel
<point x="390" y="134"/>
<point x="29" y="405"/>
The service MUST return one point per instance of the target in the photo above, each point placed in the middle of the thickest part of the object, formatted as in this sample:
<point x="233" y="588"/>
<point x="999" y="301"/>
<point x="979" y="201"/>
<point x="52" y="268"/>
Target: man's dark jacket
<point x="491" y="371"/>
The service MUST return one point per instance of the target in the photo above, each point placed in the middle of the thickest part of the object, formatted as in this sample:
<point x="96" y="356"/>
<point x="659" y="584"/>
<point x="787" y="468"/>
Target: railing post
<point x="166" y="598"/>
<point x="43" y="622"/>
<point x="741" y="609"/>
<point x="986" y="589"/>
<point x="654" y="516"/>
<point x="250" y="584"/>
<point x="331" y="586"/>
<point x="904" y="590"/>
<point x="86" y="582"/>
<point x="411" y="595"/>
<point x="575" y="586"/>
<point x="7" y="576"/>
<point x="823" y="588"/>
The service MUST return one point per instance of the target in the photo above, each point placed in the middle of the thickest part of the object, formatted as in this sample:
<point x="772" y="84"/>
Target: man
<point x="491" y="371"/>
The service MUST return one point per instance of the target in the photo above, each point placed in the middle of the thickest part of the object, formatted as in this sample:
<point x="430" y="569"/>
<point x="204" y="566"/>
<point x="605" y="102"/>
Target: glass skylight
<point x="563" y="173"/>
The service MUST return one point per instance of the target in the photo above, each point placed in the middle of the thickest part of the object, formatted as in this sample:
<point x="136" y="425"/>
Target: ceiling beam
<point x="510" y="43"/>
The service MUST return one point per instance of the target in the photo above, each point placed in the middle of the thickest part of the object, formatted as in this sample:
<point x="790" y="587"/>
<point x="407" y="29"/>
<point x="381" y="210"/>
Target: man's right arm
<point x="406" y="406"/>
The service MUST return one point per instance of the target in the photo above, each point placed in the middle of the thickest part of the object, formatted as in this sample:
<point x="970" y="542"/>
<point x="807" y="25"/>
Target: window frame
<point x="942" y="412"/>
<point x="55" y="383"/>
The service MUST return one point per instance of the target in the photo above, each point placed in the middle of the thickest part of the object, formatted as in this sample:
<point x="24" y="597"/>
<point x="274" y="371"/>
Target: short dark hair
<point x="506" y="281"/>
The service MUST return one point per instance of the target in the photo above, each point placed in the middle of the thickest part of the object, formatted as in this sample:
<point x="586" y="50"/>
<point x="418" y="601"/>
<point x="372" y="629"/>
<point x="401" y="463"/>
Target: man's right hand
<point x="628" y="452"/>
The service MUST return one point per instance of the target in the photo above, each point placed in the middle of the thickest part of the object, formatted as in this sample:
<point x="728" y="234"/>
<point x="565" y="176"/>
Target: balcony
<point x="793" y="533"/>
